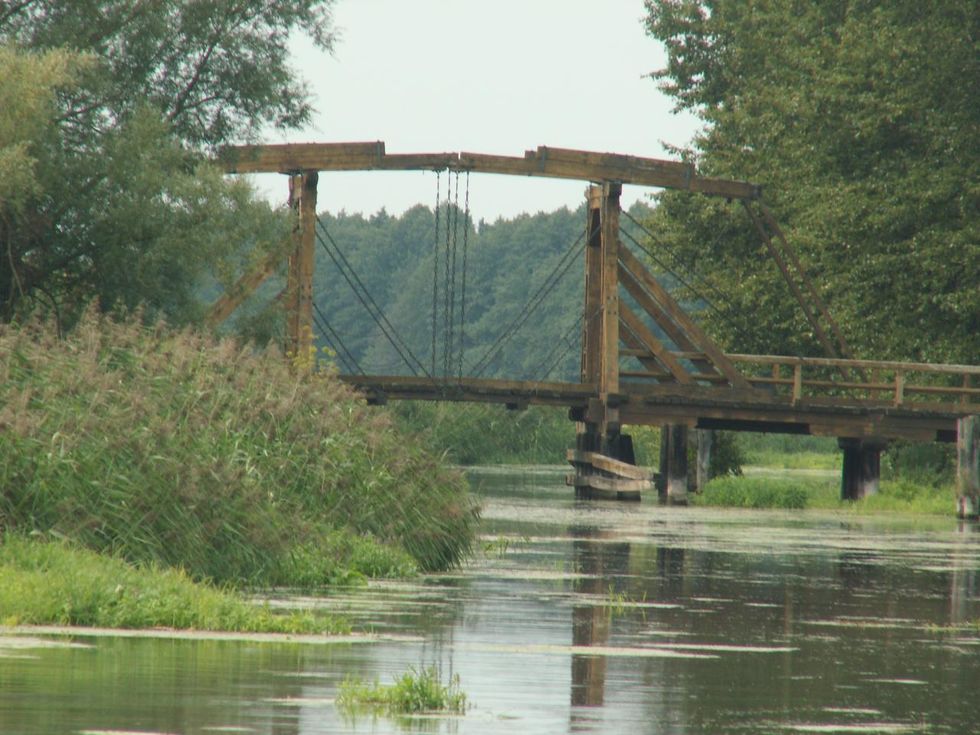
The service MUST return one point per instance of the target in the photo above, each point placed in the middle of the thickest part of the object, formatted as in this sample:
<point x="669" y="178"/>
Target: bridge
<point x="644" y="360"/>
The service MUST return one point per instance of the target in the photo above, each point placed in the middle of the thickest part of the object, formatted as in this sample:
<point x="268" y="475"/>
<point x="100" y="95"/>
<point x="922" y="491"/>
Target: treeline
<point x="499" y="299"/>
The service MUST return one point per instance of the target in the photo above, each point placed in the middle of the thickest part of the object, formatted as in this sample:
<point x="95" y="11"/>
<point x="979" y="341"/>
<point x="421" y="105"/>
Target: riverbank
<point x="171" y="450"/>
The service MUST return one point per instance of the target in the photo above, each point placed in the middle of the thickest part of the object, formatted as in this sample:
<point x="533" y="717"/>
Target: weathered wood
<point x="299" y="282"/>
<point x="645" y="337"/>
<point x="592" y="313"/>
<point x="610" y="488"/>
<point x="234" y="296"/>
<point x="968" y="466"/>
<point x="705" y="440"/>
<point x="860" y="467"/>
<point x="609" y="360"/>
<point x="694" y="333"/>
<point x="676" y="469"/>
<point x="646" y="358"/>
<point x="609" y="464"/>
<point x="546" y="162"/>
<point x="662" y="318"/>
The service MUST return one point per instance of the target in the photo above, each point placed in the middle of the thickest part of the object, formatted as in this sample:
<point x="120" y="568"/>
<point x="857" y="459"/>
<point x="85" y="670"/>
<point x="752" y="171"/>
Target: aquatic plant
<point x="415" y="691"/>
<point x="214" y="457"/>
<point x="52" y="583"/>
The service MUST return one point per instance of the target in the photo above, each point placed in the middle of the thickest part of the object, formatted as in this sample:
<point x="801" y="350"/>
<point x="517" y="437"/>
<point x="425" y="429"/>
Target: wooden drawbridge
<point x="644" y="360"/>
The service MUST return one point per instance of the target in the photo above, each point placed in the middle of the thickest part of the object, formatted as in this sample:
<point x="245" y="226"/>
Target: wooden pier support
<point x="299" y="279"/>
<point x="968" y="467"/>
<point x="676" y="469"/>
<point x="603" y="455"/>
<point x="861" y="467"/>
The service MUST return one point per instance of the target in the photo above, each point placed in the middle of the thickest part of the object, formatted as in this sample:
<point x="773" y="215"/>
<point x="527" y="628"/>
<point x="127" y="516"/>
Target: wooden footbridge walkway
<point x="644" y="360"/>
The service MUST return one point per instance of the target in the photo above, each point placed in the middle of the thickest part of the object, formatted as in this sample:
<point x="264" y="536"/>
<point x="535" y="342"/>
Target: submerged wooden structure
<point x="680" y="380"/>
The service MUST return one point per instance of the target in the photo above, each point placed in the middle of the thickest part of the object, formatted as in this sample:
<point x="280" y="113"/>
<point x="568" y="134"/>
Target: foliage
<point x="174" y="448"/>
<point x="481" y="434"/>
<point x="104" y="145"/>
<point x="931" y="465"/>
<point x="52" y="583"/>
<point x="416" y="691"/>
<point x="755" y="492"/>
<point x="860" y="122"/>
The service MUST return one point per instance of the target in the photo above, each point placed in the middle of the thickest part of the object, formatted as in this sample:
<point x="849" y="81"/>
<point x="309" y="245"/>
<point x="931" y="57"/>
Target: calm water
<point x="583" y="618"/>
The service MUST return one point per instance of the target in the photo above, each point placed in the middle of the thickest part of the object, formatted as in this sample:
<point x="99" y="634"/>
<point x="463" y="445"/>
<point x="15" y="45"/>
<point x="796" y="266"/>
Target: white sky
<point x="487" y="76"/>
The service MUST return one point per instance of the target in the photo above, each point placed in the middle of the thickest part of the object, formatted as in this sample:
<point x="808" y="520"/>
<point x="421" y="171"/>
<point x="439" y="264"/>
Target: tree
<point x="860" y="121"/>
<point x="121" y="205"/>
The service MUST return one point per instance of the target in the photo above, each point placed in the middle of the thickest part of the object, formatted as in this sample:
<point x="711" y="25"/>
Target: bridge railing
<point x="884" y="383"/>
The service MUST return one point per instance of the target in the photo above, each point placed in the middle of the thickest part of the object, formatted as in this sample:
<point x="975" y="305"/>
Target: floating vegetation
<point x="415" y="692"/>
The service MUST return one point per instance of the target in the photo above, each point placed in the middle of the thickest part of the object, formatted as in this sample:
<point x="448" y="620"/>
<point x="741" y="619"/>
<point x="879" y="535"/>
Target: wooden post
<point x="677" y="465"/>
<point x="968" y="467"/>
<point x="299" y="281"/>
<point x="609" y="375"/>
<point x="861" y="467"/>
<point x="705" y="438"/>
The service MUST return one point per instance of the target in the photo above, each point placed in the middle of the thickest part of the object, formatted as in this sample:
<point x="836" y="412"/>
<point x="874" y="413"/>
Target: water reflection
<point x="586" y="618"/>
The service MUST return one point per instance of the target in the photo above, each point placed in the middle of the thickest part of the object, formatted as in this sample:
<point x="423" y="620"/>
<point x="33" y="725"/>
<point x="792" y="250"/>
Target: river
<point x="580" y="618"/>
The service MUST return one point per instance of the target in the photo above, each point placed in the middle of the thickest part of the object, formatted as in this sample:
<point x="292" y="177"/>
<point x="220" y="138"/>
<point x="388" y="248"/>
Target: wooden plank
<point x="640" y="331"/>
<point x="295" y="157"/>
<point x="676" y="314"/>
<point x="547" y="162"/>
<point x="232" y="298"/>
<point x="609" y="464"/>
<point x="592" y="313"/>
<point x="663" y="320"/>
<point x="646" y="358"/>
<point x="609" y="484"/>
<point x="609" y="360"/>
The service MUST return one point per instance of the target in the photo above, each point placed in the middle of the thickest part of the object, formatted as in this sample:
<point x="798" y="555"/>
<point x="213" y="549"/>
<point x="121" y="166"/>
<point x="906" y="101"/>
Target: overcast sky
<point x="487" y="76"/>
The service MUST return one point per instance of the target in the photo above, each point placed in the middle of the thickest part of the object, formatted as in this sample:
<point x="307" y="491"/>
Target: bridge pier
<point x="861" y="467"/>
<point x="968" y="467"/>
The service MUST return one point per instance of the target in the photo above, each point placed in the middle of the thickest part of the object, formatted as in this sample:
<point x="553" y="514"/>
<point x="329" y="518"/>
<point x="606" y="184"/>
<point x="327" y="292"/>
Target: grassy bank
<point x="801" y="491"/>
<point x="50" y="583"/>
<point x="174" y="449"/>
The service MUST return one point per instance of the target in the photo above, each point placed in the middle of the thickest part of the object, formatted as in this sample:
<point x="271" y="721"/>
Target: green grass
<point x="803" y="460"/>
<point x="416" y="691"/>
<point x="214" y="457"/>
<point x="791" y="492"/>
<point x="50" y="583"/>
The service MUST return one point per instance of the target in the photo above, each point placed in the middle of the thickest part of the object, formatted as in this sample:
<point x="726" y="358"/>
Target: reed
<point x="214" y="457"/>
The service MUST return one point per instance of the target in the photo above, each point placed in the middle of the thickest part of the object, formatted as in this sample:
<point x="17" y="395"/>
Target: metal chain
<point x="452" y="280"/>
<point x="435" y="271"/>
<point x="446" y="325"/>
<point x="462" y="295"/>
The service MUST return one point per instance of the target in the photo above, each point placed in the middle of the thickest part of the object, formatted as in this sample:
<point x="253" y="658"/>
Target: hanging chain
<point x="462" y="294"/>
<point x="435" y="271"/>
<point x="446" y="323"/>
<point x="452" y="281"/>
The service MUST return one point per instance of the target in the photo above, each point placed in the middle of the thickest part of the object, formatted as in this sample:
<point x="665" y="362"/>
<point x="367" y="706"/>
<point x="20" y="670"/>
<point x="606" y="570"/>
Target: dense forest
<point x="511" y="291"/>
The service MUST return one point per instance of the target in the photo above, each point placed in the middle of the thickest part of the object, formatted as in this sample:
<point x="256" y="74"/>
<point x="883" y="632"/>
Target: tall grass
<point x="211" y="456"/>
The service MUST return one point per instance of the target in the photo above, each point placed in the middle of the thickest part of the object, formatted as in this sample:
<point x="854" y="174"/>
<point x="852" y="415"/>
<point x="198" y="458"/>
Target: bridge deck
<point x="843" y="398"/>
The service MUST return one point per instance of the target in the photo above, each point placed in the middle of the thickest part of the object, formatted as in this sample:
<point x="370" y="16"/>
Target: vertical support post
<point x="609" y="375"/>
<point x="968" y="467"/>
<point x="861" y="467"/>
<point x="677" y="465"/>
<point x="600" y="331"/>
<point x="299" y="281"/>
<point x="705" y="438"/>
